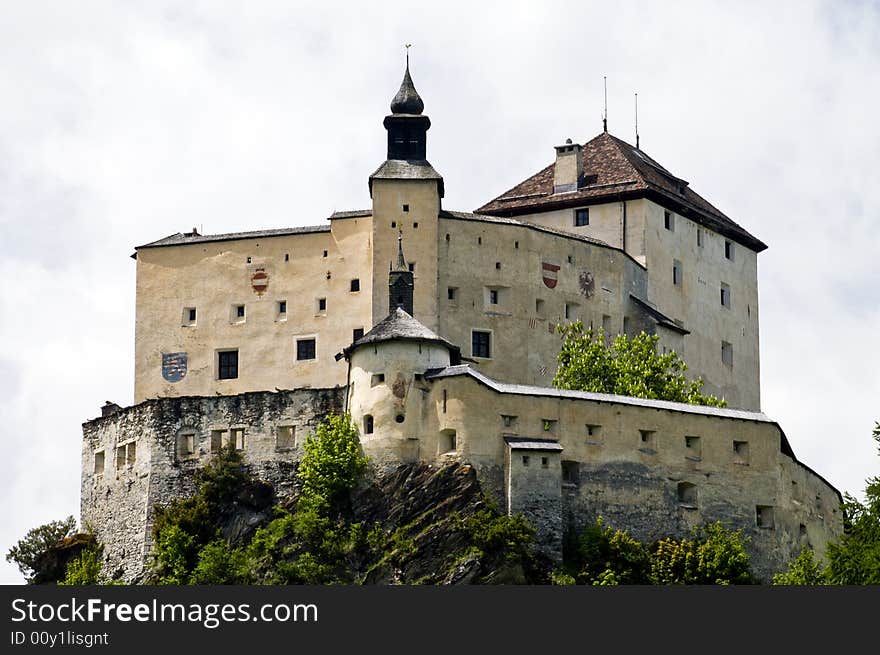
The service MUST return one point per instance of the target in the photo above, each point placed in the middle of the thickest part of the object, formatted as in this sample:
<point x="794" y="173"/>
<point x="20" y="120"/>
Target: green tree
<point x="333" y="461"/>
<point x="36" y="543"/>
<point x="86" y="569"/>
<point x="714" y="556"/>
<point x="627" y="367"/>
<point x="611" y="557"/>
<point x="854" y="559"/>
<point x="804" y="571"/>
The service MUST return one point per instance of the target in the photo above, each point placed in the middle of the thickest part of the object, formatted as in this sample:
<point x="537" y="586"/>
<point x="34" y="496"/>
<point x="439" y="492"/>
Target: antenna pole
<point x="605" y="117"/>
<point x="637" y="121"/>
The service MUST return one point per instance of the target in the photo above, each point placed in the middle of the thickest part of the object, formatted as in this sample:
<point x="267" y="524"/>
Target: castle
<point x="435" y="329"/>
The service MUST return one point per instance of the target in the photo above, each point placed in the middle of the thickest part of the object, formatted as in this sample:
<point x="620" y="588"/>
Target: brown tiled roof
<point x="615" y="170"/>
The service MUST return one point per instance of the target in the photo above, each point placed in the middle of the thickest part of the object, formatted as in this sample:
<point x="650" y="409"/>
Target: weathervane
<point x="407" y="46"/>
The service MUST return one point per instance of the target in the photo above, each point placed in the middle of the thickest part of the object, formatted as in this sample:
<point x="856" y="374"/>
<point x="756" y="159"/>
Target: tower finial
<point x="605" y="115"/>
<point x="407" y="46"/>
<point x="407" y="100"/>
<point x="637" y="121"/>
<point x="401" y="260"/>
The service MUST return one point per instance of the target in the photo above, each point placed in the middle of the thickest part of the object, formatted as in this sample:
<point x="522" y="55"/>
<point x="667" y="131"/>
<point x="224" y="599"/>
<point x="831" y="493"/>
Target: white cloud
<point x="122" y="124"/>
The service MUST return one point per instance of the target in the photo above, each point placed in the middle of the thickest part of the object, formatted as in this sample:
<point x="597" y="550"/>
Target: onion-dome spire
<point x="407" y="100"/>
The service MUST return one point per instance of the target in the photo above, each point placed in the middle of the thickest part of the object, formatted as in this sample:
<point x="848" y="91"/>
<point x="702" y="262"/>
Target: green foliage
<point x="85" y="569"/>
<point x="492" y="532"/>
<point x="628" y="367"/>
<point x="28" y="551"/>
<point x="855" y="558"/>
<point x="607" y="556"/>
<point x="333" y="460"/>
<point x="715" y="556"/>
<point x="803" y="571"/>
<point x="561" y="579"/>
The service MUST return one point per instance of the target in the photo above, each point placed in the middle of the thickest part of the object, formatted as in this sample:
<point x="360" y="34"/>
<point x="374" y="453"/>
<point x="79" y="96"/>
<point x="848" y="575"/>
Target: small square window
<point x="192" y="314"/>
<point x="764" y="516"/>
<point x="525" y="460"/>
<point x="368" y="424"/>
<point x="287" y="256"/>
<point x="687" y="494"/>
<point x="285" y="437"/>
<point x="219" y="438"/>
<point x="508" y="420"/>
<point x="570" y="473"/>
<point x="356" y="334"/>
<point x="647" y="439"/>
<point x="740" y="452"/>
<point x="545" y="462"/>
<point x="325" y="253"/>
<point x="393" y="224"/>
<point x="305" y="349"/>
<point x="322" y="304"/>
<point x="549" y="425"/>
<point x="237" y="315"/>
<point x="669" y="221"/>
<point x="415" y="225"/>
<point x="539" y="307"/>
<point x="412" y="267"/>
<point x="406" y="208"/>
<point x="282" y="307"/>
<point x="581" y="217"/>
<point x="493" y="296"/>
<point x="451" y="293"/>
<point x="693" y="447"/>
<point x="227" y="365"/>
<point x="355" y="285"/>
<point x="570" y="311"/>
<point x="481" y="344"/>
<point x="594" y="433"/>
<point x="498" y="265"/>
<point x="189" y="317"/>
<point x="377" y="378"/>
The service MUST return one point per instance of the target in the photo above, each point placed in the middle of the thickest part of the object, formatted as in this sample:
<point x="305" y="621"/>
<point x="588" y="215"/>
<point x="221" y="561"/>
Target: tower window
<point x="368" y="424"/>
<point x="393" y="224"/>
<point x="192" y="314"/>
<point x="355" y="285"/>
<point x="725" y="295"/>
<point x="676" y="273"/>
<point x="412" y="267"/>
<point x="322" y="304"/>
<point x="416" y="225"/>
<point x="287" y="256"/>
<point x="227" y="365"/>
<point x="99" y="463"/>
<point x="669" y="221"/>
<point x="282" y="307"/>
<point x="451" y="293"/>
<point x="582" y="217"/>
<point x="493" y="296"/>
<point x="189" y="316"/>
<point x="498" y="265"/>
<point x="727" y="353"/>
<point x="305" y="349"/>
<point x="406" y="208"/>
<point x="728" y="250"/>
<point x="325" y="253"/>
<point x="356" y="334"/>
<point x="481" y="344"/>
<point x="699" y="238"/>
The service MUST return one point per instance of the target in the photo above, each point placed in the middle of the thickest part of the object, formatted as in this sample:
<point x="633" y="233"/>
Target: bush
<point x="333" y="461"/>
<point x="803" y="571"/>
<point x="29" y="550"/>
<point x="715" y="556"/>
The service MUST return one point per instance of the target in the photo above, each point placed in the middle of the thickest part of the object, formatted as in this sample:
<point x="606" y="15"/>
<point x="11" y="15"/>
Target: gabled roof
<point x="616" y="170"/>
<point x="400" y="326"/>
<point x="182" y="239"/>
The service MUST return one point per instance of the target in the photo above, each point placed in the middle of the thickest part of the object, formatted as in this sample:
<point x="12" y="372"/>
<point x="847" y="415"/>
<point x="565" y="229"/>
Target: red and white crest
<point x="548" y="274"/>
<point x="260" y="281"/>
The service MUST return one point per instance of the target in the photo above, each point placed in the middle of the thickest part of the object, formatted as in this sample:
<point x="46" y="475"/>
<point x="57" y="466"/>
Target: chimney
<point x="569" y="168"/>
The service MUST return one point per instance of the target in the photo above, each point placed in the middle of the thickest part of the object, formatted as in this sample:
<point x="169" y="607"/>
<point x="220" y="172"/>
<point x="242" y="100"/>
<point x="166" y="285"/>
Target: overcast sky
<point x="121" y="123"/>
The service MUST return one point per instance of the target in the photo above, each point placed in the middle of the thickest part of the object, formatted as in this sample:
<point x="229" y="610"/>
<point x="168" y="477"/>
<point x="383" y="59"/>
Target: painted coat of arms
<point x="173" y="366"/>
<point x="548" y="274"/>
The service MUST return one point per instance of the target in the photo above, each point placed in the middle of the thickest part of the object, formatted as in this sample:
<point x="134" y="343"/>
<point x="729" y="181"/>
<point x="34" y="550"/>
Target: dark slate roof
<point x="614" y="170"/>
<point x="525" y="443"/>
<point x="356" y="213"/>
<point x="659" y="316"/>
<point x="407" y="99"/>
<point x="400" y="326"/>
<point x="185" y="239"/>
<point x="406" y="169"/>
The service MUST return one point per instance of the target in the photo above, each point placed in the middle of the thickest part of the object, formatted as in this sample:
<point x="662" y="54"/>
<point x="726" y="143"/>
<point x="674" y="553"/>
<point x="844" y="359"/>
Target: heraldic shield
<point x="173" y="366"/>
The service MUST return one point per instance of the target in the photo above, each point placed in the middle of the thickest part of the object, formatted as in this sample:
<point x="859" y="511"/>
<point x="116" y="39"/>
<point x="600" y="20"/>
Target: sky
<point x="123" y="122"/>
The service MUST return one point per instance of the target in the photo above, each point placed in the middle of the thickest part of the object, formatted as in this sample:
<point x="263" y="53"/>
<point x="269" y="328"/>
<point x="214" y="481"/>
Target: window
<point x="647" y="439"/>
<point x="355" y="285"/>
<point x="444" y="401"/>
<point x="451" y="293"/>
<point x="525" y="460"/>
<point x="571" y="311"/>
<point x="508" y="420"/>
<point x="764" y="516"/>
<point x="219" y="438"/>
<point x="606" y="325"/>
<point x="378" y="378"/>
<point x="593" y="430"/>
<point x="676" y="273"/>
<point x="281" y="310"/>
<point x="570" y="473"/>
<point x="393" y="224"/>
<point x="448" y="441"/>
<point x="287" y="256"/>
<point x="415" y="225"/>
<point x="545" y="462"/>
<point x="325" y="253"/>
<point x="549" y="425"/>
<point x="305" y="349"/>
<point x="493" y="296"/>
<point x="237" y="437"/>
<point x="699" y="238"/>
<point x="741" y="452"/>
<point x="412" y="267"/>
<point x="539" y="307"/>
<point x="725" y="295"/>
<point x="368" y="424"/>
<point x="322" y="305"/>
<point x="479" y="241"/>
<point x="481" y="344"/>
<point x="189" y="316"/>
<point x="669" y="221"/>
<point x="186" y="445"/>
<point x="237" y="314"/>
<point x="99" y="462"/>
<point x="356" y="334"/>
<point x="728" y="250"/>
<point x="687" y="494"/>
<point x="693" y="448"/>
<point x="130" y="453"/>
<point x="516" y="245"/>
<point x="285" y="437"/>
<point x="406" y="208"/>
<point x="227" y="365"/>
<point x="581" y="217"/>
<point x="726" y="353"/>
